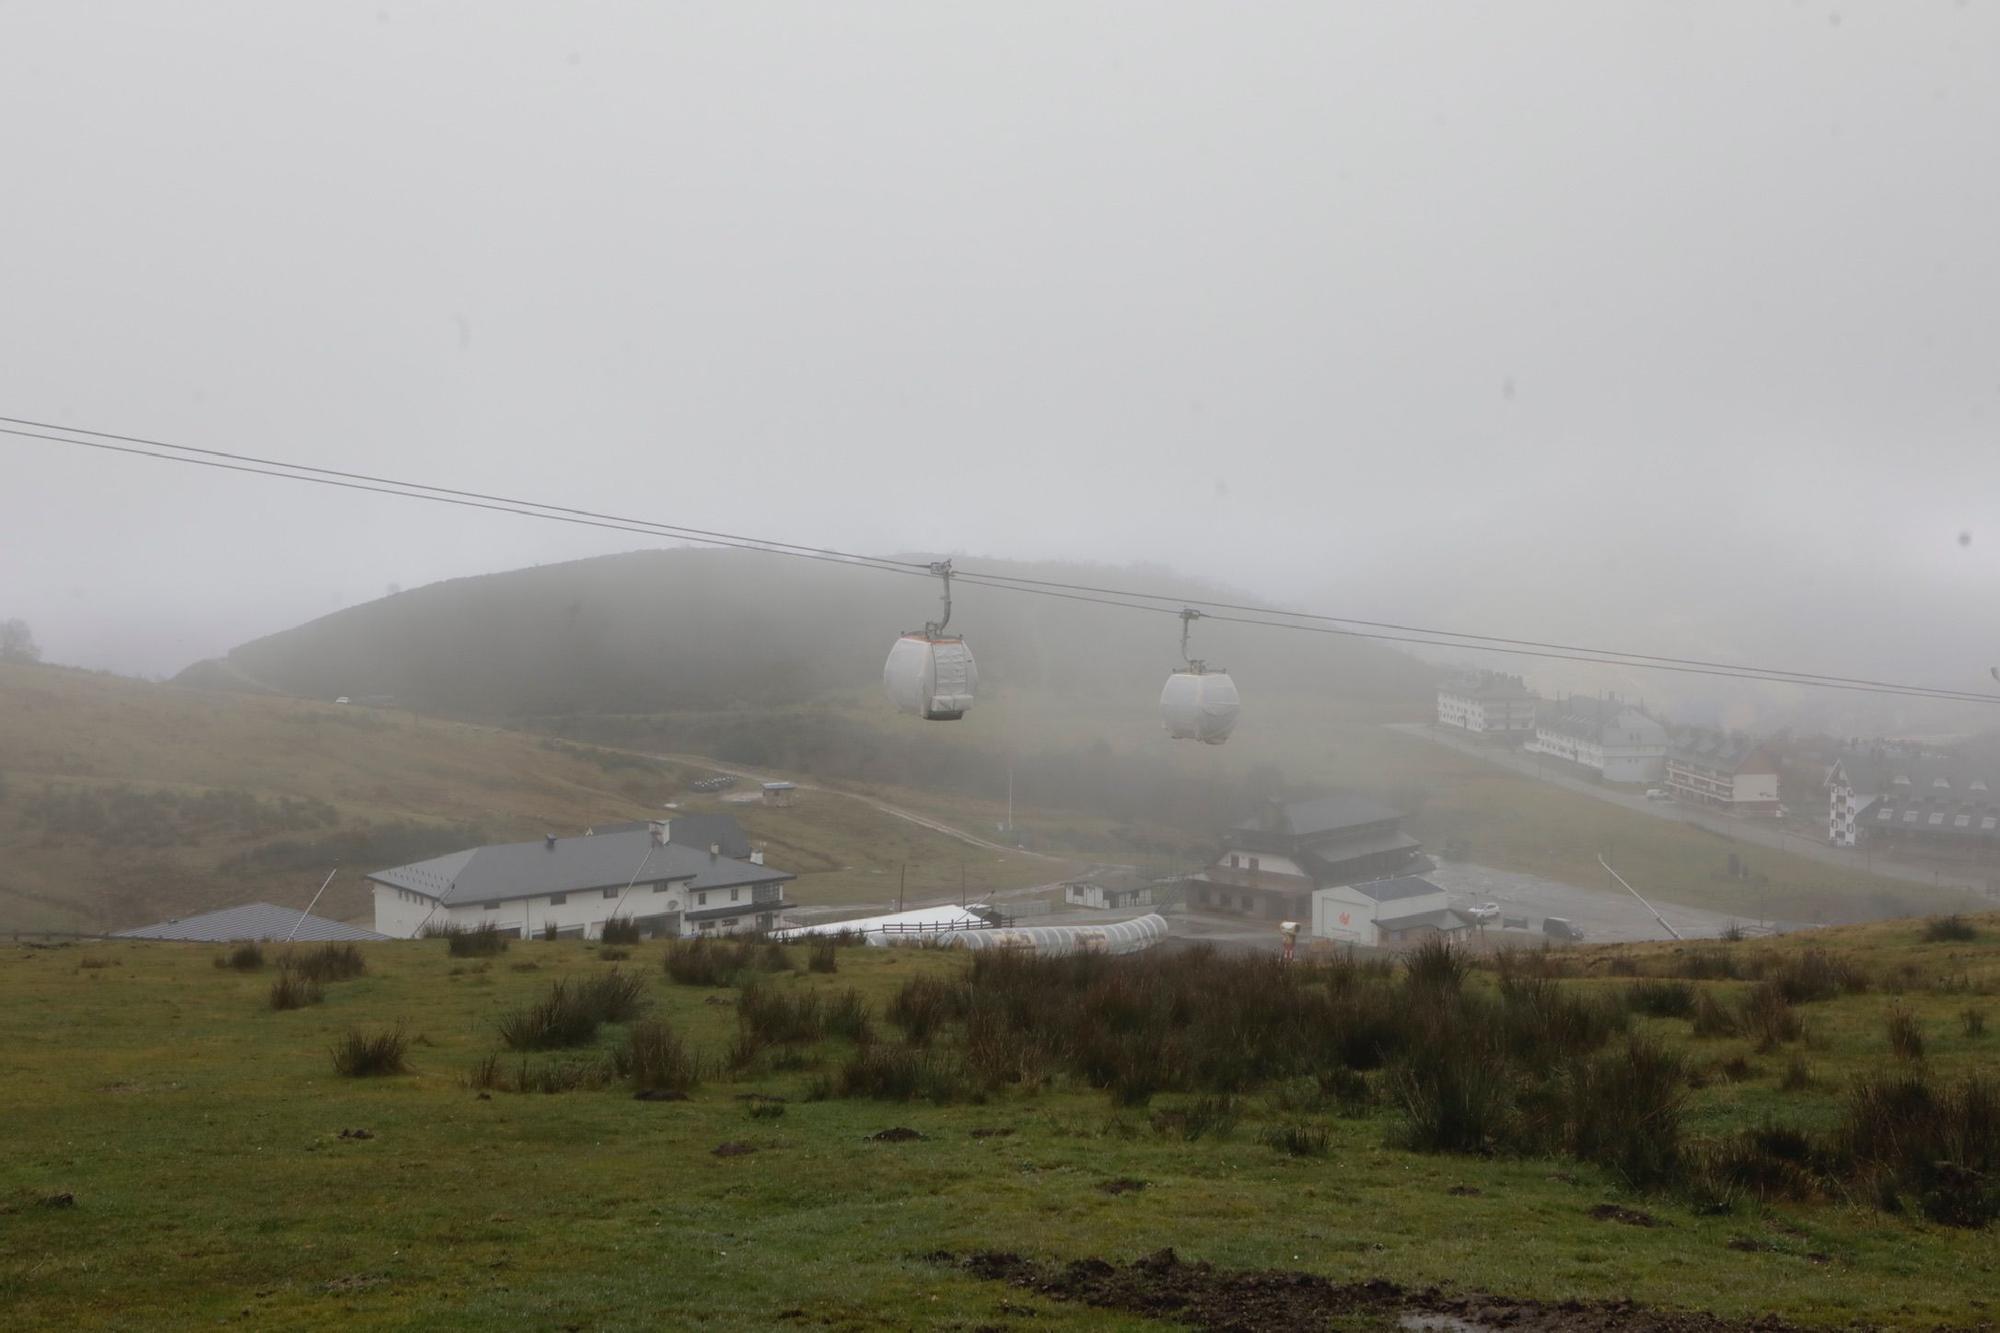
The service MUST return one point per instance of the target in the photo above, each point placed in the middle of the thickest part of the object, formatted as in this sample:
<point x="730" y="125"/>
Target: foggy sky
<point x="1676" y="325"/>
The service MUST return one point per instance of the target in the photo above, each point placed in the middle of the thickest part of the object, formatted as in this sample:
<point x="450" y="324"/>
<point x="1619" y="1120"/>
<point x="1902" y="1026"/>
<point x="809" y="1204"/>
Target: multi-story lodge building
<point x="1487" y="703"/>
<point x="1612" y="739"/>
<point x="1270" y="866"/>
<point x="1919" y="801"/>
<point x="1726" y="772"/>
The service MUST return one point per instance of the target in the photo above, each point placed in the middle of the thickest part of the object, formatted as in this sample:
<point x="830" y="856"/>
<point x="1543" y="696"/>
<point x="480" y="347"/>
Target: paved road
<point x="1763" y="834"/>
<point x="1602" y="914"/>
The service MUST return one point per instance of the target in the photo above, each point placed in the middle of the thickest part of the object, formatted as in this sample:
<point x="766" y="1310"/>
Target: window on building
<point x="1987" y="822"/>
<point x="662" y="886"/>
<point x="1909" y="816"/>
<point x="611" y="893"/>
<point x="558" y="899"/>
<point x="701" y="899"/>
<point x="1963" y="821"/>
<point x="1938" y="818"/>
<point x="734" y="894"/>
<point x="1900" y="780"/>
<point x="1232" y="860"/>
<point x="491" y="907"/>
<point x="1253" y="863"/>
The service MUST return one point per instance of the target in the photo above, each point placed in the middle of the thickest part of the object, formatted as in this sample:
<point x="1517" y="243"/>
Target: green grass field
<point x="174" y="1158"/>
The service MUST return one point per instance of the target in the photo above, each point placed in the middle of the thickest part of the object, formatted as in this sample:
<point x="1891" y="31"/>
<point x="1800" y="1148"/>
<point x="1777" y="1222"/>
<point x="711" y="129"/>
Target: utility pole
<point x="902" y="878"/>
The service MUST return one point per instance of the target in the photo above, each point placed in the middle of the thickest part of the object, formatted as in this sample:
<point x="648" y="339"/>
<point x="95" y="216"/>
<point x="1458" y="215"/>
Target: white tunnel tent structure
<point x="1116" y="937"/>
<point x="932" y="676"/>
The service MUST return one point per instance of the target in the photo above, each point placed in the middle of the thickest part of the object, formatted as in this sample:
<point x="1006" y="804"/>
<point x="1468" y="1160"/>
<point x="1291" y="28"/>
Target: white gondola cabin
<point x="1199" y="705"/>
<point x="932" y="673"/>
<point x="1199" y="702"/>
<point x="932" y="676"/>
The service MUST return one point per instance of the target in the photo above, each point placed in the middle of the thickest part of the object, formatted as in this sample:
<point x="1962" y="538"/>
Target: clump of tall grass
<point x="248" y="957"/>
<point x="1436" y="966"/>
<point x="701" y="961"/>
<point x="654" y="1058"/>
<point x="293" y="991"/>
<point x="1951" y="929"/>
<point x="1937" y="1147"/>
<point x="1203" y="1117"/>
<point x="1768" y="1017"/>
<point x="823" y="956"/>
<point x="773" y="1016"/>
<point x="360" y="1054"/>
<point x="1814" y="975"/>
<point x="619" y="930"/>
<point x="482" y="941"/>
<point x="774" y="957"/>
<point x="893" y="1073"/>
<point x="327" y="963"/>
<point x="1661" y="999"/>
<point x="571" y="1012"/>
<point x="1298" y="1139"/>
<point x="1972" y="1022"/>
<point x="923" y="1005"/>
<point x="543" y="1076"/>
<point x="1906" y="1035"/>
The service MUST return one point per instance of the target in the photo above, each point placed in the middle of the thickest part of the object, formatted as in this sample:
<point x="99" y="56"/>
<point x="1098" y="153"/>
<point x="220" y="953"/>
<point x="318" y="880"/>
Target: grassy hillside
<point x="123" y="802"/>
<point x="180" y="1154"/>
<point x="651" y="631"/>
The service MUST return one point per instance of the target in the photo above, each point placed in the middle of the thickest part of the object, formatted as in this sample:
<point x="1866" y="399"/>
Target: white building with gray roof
<point x="574" y="885"/>
<point x="1612" y="739"/>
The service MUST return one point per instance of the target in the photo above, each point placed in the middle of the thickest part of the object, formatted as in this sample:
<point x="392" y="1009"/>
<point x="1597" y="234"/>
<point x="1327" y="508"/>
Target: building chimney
<point x="550" y="840"/>
<point x="662" y="832"/>
<point x="757" y="857"/>
<point x="714" y="850"/>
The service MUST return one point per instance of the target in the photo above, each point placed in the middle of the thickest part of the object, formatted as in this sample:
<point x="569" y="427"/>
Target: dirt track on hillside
<point x="1160" y="1286"/>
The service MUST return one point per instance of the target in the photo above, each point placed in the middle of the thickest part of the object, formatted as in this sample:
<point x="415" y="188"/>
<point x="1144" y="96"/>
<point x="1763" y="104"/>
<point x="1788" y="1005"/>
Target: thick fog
<point x="1673" y="327"/>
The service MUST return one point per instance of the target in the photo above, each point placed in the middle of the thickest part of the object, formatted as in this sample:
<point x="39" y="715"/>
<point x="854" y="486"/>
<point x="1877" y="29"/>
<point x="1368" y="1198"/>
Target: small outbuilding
<point x="1385" y="913"/>
<point x="779" y="793"/>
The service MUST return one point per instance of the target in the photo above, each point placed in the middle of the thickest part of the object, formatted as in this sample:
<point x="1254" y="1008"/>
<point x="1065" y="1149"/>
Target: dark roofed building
<point x="1271" y="864"/>
<point x="1928" y="803"/>
<point x="251" y="921"/>
<point x="1487" y="703"/>
<point x="574" y="885"/>
<point x="1715" y="768"/>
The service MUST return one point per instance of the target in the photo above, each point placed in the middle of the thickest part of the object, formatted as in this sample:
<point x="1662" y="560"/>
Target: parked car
<point x="1559" y="928"/>
<point x="1657" y="794"/>
<point x="1483" y="915"/>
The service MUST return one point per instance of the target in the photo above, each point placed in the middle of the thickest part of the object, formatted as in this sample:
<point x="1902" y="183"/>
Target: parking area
<point x="1602" y="914"/>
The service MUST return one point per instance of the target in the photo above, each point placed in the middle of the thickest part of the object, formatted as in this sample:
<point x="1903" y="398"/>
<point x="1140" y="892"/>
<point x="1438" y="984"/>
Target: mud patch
<point x="992" y="1132"/>
<point x="1160" y="1286"/>
<point x="659" y="1095"/>
<point x="1631" y="1217"/>
<point x="1122" y="1185"/>
<point x="1465" y="1191"/>
<point x="899" y="1134"/>
<point x="732" y="1150"/>
<point x="63" y="1200"/>
<point x="767" y="1098"/>
<point x="357" y="1133"/>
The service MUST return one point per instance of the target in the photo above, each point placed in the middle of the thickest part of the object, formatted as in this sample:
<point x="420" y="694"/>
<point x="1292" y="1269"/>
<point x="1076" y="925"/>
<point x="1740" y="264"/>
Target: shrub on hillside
<point x="1661" y="999"/>
<point x="1906" y="1035"/>
<point x="328" y="962"/>
<point x="560" y="1018"/>
<point x="619" y="930"/>
<point x="1936" y="1147"/>
<point x="654" y="1058"/>
<point x="293" y="991"/>
<point x="243" y="958"/>
<point x="359" y="1054"/>
<point x="1814" y="975"/>
<point x="700" y="961"/>
<point x="482" y="941"/>
<point x="823" y="956"/>
<point x="1952" y="929"/>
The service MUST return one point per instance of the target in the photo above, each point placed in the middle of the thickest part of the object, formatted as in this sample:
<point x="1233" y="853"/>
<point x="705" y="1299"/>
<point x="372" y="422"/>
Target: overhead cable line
<point x="1260" y="616"/>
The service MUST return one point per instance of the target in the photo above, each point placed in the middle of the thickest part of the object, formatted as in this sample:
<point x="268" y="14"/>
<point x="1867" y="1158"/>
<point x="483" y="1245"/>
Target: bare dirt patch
<point x="1122" y="1185"/>
<point x="1160" y="1286"/>
<point x="732" y="1149"/>
<point x="1631" y="1217"/>
<point x="899" y="1134"/>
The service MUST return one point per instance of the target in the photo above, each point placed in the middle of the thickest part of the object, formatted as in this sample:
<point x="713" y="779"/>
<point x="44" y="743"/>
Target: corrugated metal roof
<point x="697" y="831"/>
<point x="1402" y="886"/>
<point x="251" y="921"/>
<point x="1325" y="815"/>
<point x="514" y="870"/>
